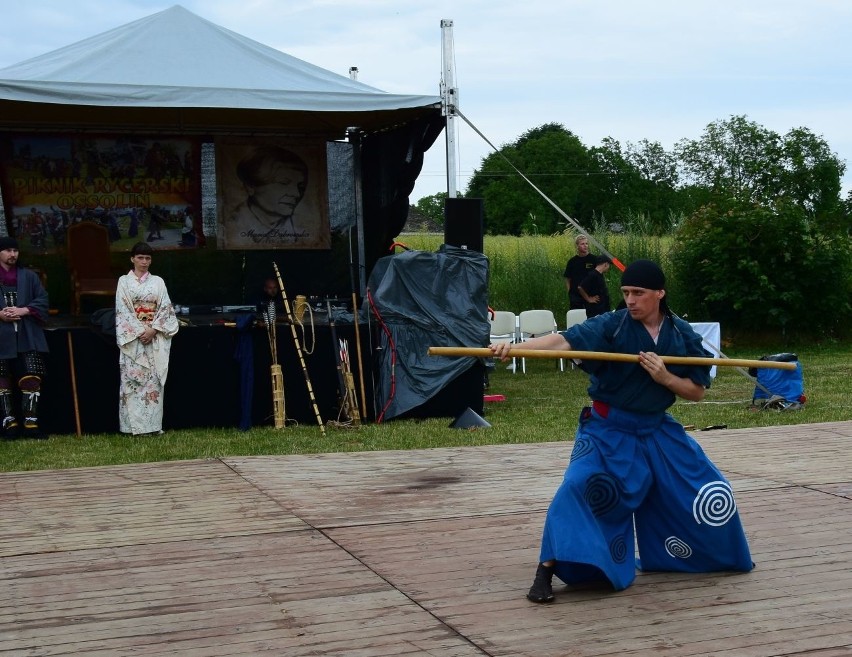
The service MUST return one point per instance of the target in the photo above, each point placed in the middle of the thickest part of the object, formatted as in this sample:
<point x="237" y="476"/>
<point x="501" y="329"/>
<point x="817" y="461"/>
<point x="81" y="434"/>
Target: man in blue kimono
<point x="22" y="342"/>
<point x="632" y="463"/>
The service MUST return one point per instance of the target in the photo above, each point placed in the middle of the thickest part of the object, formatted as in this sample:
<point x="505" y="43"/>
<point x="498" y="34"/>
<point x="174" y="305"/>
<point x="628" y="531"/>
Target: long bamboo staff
<point x="484" y="352"/>
<point x="298" y="347"/>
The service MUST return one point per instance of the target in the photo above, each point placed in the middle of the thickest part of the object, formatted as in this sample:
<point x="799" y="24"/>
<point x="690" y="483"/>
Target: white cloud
<point x="631" y="70"/>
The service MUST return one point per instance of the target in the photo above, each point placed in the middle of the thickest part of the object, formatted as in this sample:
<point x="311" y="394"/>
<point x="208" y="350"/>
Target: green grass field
<point x="541" y="406"/>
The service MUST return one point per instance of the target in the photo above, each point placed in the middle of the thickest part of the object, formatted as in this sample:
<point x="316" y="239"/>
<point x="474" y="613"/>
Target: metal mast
<point x="449" y="102"/>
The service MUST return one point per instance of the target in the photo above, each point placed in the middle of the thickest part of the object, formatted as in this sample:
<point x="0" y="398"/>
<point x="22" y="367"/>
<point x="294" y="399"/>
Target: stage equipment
<point x="279" y="412"/>
<point x="469" y="419"/>
<point x="298" y="347"/>
<point x="463" y="223"/>
<point x="603" y="355"/>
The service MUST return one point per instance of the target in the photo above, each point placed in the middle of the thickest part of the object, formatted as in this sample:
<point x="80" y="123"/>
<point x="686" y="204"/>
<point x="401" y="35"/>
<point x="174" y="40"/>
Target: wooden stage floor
<point x="426" y="552"/>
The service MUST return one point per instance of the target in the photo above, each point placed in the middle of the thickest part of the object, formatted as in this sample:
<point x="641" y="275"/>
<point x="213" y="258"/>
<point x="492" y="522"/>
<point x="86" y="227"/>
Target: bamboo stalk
<point x="484" y="352"/>
<point x="298" y="346"/>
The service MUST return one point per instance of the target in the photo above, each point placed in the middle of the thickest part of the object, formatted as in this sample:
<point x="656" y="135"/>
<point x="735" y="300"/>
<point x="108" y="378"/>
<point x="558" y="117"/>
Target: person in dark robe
<point x="635" y="476"/>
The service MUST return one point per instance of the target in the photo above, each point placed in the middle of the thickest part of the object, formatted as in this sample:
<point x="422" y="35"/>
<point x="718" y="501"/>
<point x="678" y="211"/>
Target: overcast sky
<point x="659" y="70"/>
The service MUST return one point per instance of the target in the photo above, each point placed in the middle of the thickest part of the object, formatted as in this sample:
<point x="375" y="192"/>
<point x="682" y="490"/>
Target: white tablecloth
<point x="711" y="333"/>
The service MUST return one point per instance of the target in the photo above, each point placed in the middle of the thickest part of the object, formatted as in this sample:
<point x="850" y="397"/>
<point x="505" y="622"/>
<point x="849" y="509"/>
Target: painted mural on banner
<point x="139" y="188"/>
<point x="272" y="194"/>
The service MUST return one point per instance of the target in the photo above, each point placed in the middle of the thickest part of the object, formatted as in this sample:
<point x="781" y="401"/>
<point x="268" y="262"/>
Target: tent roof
<point x="193" y="73"/>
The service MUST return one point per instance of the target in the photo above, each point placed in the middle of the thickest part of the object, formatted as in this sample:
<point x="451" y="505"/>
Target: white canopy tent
<point x="175" y="73"/>
<point x="185" y="72"/>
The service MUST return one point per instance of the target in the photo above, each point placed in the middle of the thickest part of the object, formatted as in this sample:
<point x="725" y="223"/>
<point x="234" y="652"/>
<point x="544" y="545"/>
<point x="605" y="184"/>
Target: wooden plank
<point x="423" y="552"/>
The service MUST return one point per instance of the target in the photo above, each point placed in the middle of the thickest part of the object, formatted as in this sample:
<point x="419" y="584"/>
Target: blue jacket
<point x="626" y="385"/>
<point x="30" y="334"/>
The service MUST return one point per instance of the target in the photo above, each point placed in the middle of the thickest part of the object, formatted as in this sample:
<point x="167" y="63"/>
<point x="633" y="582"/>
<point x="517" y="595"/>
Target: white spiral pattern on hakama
<point x="678" y="548"/>
<point x="714" y="505"/>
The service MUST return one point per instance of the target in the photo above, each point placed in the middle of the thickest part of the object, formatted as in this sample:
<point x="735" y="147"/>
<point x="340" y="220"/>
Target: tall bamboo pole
<point x="484" y="352"/>
<point x="298" y="348"/>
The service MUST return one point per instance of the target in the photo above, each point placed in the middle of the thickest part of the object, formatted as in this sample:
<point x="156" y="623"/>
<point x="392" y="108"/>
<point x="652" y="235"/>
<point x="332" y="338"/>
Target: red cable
<point x="393" y="355"/>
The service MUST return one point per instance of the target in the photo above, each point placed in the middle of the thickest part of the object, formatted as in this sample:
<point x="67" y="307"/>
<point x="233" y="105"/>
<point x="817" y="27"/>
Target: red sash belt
<point x="601" y="408"/>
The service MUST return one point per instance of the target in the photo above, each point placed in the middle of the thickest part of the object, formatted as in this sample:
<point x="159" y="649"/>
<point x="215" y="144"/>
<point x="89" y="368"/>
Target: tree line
<point x="643" y="186"/>
<point x="760" y="226"/>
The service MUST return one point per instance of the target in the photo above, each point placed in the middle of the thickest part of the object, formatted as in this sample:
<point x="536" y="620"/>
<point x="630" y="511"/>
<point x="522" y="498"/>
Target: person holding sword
<point x="633" y="465"/>
<point x="23" y="346"/>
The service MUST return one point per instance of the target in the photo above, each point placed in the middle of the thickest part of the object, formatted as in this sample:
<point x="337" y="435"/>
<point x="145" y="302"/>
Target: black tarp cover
<point x="426" y="300"/>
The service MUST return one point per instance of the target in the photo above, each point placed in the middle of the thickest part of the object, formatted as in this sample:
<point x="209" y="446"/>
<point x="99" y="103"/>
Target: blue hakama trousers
<point x="645" y="470"/>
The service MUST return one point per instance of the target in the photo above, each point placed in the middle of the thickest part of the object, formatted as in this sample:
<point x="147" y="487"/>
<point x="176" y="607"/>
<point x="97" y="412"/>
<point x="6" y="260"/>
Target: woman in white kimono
<point x="145" y="322"/>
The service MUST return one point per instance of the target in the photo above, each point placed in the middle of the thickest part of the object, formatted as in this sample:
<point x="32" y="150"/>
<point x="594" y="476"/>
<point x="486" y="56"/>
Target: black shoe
<point x="32" y="430"/>
<point x="542" y="589"/>
<point x="10" y="428"/>
<point x="33" y="433"/>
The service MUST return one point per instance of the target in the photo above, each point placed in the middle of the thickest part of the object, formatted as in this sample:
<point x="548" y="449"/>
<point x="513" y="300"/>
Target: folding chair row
<point x="506" y="326"/>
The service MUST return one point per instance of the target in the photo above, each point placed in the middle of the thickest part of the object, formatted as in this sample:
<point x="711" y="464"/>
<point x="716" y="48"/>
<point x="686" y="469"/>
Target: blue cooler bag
<point x="786" y="386"/>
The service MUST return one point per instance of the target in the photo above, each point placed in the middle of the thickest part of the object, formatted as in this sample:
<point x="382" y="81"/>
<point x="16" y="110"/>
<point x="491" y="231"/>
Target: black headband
<point x="645" y="274"/>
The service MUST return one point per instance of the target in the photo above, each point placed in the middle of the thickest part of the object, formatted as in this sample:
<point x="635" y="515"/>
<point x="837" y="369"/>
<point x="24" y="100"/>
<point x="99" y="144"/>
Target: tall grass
<point x="526" y="272"/>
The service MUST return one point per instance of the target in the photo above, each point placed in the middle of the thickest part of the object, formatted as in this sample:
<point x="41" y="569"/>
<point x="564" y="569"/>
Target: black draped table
<point x="204" y="383"/>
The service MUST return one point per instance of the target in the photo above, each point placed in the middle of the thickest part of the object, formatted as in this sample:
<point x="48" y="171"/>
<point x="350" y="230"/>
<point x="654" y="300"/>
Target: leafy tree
<point x="741" y="160"/>
<point x="557" y="162"/>
<point x="432" y="207"/>
<point x="757" y="267"/>
<point x="734" y="159"/>
<point x="641" y="185"/>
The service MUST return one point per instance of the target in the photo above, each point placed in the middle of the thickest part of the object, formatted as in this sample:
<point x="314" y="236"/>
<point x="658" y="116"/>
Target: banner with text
<point x="139" y="188"/>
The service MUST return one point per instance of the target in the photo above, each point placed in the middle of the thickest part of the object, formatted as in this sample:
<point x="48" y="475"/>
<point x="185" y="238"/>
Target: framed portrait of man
<point x="271" y="194"/>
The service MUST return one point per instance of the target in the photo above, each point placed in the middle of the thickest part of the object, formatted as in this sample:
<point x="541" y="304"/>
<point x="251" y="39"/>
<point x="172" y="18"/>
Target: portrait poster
<point x="139" y="188"/>
<point x="272" y="194"/>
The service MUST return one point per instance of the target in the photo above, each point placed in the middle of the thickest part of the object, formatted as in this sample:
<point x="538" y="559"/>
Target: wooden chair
<point x="89" y="261"/>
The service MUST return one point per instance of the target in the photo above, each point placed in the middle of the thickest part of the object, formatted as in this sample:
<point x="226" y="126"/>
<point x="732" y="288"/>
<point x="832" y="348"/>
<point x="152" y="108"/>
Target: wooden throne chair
<point x="90" y="263"/>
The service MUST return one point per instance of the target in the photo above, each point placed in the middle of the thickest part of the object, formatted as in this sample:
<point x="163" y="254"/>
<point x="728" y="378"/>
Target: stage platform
<point x="423" y="552"/>
<point x="215" y="368"/>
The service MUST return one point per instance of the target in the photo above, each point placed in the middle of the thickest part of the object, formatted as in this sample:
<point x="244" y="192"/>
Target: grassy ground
<point x="541" y="406"/>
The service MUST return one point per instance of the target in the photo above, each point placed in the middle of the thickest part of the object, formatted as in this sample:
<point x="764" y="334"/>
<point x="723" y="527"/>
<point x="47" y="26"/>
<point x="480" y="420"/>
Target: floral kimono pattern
<point x="144" y="367"/>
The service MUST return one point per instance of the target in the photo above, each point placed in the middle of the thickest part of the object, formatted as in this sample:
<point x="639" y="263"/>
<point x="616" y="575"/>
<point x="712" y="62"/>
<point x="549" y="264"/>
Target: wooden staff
<point x="484" y="352"/>
<point x="74" y="384"/>
<point x="298" y="347"/>
<point x="355" y="318"/>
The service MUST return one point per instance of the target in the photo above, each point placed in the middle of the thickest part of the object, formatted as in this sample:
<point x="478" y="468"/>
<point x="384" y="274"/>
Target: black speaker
<point x="463" y="222"/>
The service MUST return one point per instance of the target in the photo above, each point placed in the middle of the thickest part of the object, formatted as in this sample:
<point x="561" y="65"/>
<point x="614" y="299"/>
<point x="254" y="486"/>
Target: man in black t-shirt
<point x="577" y="269"/>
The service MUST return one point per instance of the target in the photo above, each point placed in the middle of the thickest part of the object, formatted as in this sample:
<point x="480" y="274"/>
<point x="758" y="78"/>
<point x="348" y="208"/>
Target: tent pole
<point x="449" y="102"/>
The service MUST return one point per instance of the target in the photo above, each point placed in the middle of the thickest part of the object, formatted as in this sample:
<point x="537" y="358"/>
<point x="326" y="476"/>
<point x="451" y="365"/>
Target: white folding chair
<point x="533" y="323"/>
<point x="504" y="328"/>
<point x="572" y="317"/>
<point x="575" y="316"/>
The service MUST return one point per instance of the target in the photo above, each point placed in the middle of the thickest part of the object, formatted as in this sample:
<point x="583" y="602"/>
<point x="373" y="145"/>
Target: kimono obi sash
<point x="145" y="311"/>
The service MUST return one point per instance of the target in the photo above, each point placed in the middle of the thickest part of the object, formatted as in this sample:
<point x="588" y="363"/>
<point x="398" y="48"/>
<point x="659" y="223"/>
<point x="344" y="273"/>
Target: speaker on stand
<point x="463" y="223"/>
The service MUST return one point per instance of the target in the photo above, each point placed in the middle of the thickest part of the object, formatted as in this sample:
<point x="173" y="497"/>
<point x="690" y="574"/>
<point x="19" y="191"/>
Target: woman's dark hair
<point x="141" y="248"/>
